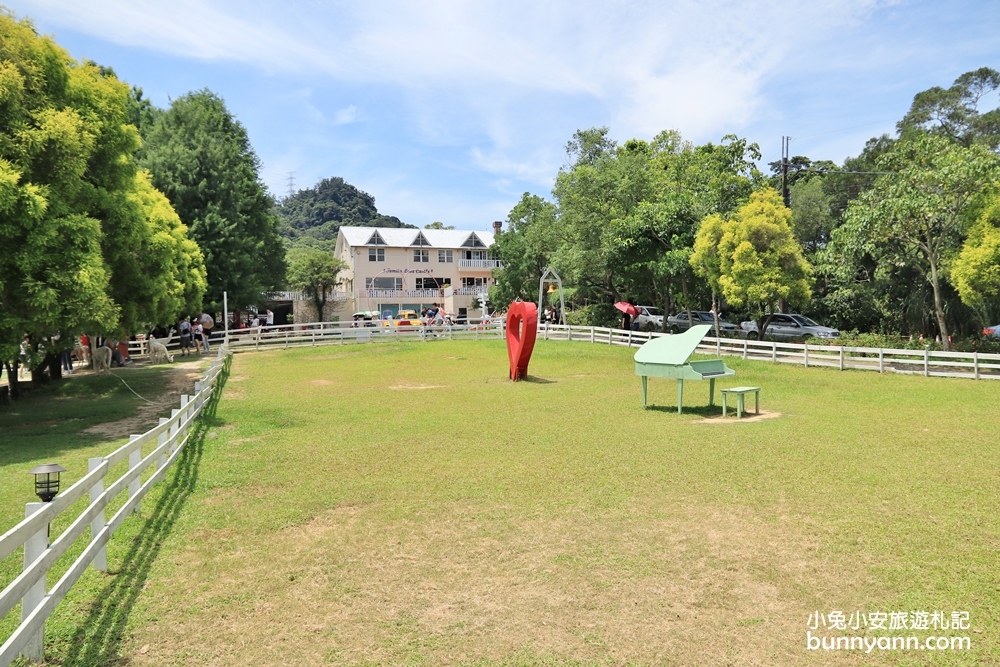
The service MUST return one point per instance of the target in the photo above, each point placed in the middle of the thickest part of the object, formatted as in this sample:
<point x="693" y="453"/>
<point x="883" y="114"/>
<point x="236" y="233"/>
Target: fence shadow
<point x="99" y="637"/>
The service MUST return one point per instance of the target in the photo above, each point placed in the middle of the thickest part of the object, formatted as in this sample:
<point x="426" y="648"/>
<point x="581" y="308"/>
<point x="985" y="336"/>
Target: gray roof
<point x="405" y="238"/>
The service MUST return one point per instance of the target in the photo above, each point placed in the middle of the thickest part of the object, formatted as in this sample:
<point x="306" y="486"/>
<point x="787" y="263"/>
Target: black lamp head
<point x="47" y="480"/>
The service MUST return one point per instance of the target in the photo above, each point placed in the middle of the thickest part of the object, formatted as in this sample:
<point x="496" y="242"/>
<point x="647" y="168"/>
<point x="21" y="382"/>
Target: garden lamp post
<point x="47" y="480"/>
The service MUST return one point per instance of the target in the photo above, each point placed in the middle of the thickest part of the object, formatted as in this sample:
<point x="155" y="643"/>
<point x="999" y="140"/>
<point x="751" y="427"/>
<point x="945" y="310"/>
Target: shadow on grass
<point x="700" y="410"/>
<point x="99" y="638"/>
<point x="534" y="379"/>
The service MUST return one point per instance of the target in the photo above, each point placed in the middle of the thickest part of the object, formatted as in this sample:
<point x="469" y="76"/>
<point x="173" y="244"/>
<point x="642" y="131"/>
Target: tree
<point x="976" y="272"/>
<point x="705" y="257"/>
<point x="87" y="244"/>
<point x="200" y="157"/>
<point x="526" y="248"/>
<point x="438" y="225"/>
<point x="954" y="113"/>
<point x="312" y="217"/>
<point x="812" y="219"/>
<point x="920" y="208"/>
<point x="314" y="272"/>
<point x="760" y="264"/>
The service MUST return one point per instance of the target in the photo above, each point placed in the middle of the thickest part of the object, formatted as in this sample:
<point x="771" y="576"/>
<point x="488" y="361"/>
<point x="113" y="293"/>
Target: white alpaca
<point x="101" y="357"/>
<point x="158" y="352"/>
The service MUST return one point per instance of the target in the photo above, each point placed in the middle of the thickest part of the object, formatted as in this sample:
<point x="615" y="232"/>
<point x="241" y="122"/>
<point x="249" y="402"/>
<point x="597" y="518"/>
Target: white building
<point x="390" y="270"/>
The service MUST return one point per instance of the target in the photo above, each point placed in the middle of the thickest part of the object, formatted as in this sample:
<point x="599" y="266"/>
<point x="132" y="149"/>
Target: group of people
<point x="193" y="331"/>
<point x="550" y="315"/>
<point x="255" y="320"/>
<point x="435" y="315"/>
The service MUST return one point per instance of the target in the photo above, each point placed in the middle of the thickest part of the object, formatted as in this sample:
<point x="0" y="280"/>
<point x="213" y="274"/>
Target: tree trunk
<point x="687" y="302"/>
<point x="938" y="306"/>
<point x="715" y="312"/>
<point x="55" y="365"/>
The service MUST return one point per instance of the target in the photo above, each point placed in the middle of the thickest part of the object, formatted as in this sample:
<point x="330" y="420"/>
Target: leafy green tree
<point x="87" y="244"/>
<point x="761" y="264"/>
<point x="526" y="247"/>
<point x="438" y="225"/>
<point x="314" y="272"/>
<point x="812" y="218"/>
<point x="976" y="272"/>
<point x="954" y="112"/>
<point x="201" y="159"/>
<point x="920" y="208"/>
<point x="705" y="257"/>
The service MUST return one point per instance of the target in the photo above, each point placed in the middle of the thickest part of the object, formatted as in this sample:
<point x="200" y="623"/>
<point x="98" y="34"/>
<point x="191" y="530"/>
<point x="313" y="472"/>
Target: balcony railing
<point x="299" y="296"/>
<point x="480" y="264"/>
<point x="471" y="290"/>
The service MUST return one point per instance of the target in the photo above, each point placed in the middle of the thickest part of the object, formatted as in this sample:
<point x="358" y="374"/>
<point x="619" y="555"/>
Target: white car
<point x="649" y="316"/>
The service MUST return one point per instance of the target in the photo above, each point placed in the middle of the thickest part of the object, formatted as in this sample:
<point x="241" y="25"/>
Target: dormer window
<point x="421" y="240"/>
<point x="376" y="239"/>
<point x="473" y="242"/>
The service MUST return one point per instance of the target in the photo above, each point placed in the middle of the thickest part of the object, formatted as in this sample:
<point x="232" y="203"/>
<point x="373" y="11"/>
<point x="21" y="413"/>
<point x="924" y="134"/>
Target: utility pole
<point x="785" y="142"/>
<point x="291" y="183"/>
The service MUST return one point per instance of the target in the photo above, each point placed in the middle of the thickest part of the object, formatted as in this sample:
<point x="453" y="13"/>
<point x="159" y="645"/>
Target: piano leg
<point x="680" y="394"/>
<point x="644" y="391"/>
<point x="711" y="392"/>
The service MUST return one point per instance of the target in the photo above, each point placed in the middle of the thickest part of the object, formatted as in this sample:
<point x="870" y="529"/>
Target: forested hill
<point x="313" y="216"/>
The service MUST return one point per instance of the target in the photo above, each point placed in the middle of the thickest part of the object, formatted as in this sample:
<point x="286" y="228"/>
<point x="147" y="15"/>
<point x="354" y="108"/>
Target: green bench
<point x="740" y="393"/>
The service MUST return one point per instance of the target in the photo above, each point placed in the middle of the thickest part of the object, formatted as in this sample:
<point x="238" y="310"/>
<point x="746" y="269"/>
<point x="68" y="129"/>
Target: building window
<point x="446" y="256"/>
<point x="384" y="283"/>
<point x="421" y="256"/>
<point x="474" y="282"/>
<point x="376" y="254"/>
<point x="432" y="283"/>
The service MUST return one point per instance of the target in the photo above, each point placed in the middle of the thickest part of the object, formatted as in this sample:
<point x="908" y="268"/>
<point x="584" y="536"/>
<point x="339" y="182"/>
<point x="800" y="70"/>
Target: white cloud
<point x="346" y="115"/>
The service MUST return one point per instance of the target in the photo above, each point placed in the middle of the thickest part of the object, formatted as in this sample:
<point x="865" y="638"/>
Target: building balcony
<point x="480" y="264"/>
<point x="400" y="293"/>
<point x="299" y="296"/>
<point x="471" y="290"/>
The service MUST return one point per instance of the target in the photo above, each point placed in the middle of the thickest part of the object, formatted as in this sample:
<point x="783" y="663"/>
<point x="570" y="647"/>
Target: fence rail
<point x="162" y="444"/>
<point x="973" y="365"/>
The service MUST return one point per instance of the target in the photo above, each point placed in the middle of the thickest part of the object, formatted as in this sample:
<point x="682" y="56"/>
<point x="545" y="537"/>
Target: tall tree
<point x="760" y="262"/>
<point x="976" y="272"/>
<point x="78" y="223"/>
<point x="200" y="157"/>
<point x="314" y="272"/>
<point x="954" y="112"/>
<point x="920" y="208"/>
<point x="526" y="248"/>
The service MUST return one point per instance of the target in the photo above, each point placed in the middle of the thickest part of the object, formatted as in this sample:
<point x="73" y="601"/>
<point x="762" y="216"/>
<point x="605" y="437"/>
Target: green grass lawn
<point x="407" y="504"/>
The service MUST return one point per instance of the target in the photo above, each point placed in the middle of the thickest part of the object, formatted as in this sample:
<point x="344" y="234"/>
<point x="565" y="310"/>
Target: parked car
<point x="679" y="322"/>
<point x="649" y="316"/>
<point x="790" y="326"/>
<point x="992" y="331"/>
<point x="405" y="318"/>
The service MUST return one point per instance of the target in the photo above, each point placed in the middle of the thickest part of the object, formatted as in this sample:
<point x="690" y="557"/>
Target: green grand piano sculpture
<point x="667" y="357"/>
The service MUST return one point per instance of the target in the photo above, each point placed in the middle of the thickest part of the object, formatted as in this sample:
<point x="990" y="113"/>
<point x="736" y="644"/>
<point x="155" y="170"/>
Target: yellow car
<point x="405" y="318"/>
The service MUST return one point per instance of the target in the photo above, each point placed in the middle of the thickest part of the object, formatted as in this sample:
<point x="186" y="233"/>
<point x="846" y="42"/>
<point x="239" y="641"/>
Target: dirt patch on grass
<point x="179" y="381"/>
<point x="665" y="585"/>
<point x="416" y="386"/>
<point x="747" y="418"/>
<point x="321" y="383"/>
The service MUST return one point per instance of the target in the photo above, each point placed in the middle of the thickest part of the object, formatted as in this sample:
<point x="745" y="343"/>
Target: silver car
<point x="790" y="326"/>
<point x="679" y="322"/>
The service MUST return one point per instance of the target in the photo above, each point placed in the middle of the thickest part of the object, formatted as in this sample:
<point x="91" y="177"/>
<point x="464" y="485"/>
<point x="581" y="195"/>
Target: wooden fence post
<point x="881" y="360"/>
<point x="100" y="561"/>
<point x="927" y="361"/>
<point x="774" y="351"/>
<point x="975" y="363"/>
<point x="805" y="355"/>
<point x="746" y="344"/>
<point x="591" y="334"/>
<point x="161" y="462"/>
<point x="34" y="547"/>
<point x="841" y="357"/>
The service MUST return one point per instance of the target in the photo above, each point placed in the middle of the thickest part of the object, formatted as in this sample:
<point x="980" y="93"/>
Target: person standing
<point x="269" y="318"/>
<point x="184" y="328"/>
<point x="196" y="333"/>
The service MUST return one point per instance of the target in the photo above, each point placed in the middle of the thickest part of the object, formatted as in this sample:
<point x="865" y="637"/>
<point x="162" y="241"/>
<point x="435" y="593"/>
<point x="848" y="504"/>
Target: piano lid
<point x="672" y="350"/>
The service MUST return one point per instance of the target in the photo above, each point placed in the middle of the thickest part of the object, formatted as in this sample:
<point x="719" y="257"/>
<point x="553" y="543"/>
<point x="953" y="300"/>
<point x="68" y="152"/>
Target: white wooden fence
<point x="973" y="365"/>
<point x="162" y="446"/>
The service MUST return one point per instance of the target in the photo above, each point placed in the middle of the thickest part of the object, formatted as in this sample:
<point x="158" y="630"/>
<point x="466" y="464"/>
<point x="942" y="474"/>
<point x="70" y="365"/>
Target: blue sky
<point x="448" y="110"/>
